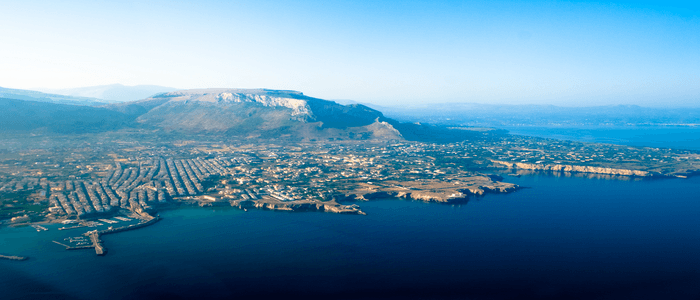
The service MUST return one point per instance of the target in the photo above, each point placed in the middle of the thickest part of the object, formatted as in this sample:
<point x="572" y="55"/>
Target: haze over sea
<point x="679" y="137"/>
<point x="562" y="237"/>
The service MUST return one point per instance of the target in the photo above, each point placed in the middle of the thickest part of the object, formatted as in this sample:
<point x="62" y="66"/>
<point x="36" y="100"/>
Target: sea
<point x="563" y="236"/>
<point x="678" y="137"/>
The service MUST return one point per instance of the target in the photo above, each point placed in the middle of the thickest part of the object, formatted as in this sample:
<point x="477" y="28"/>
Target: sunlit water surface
<point x="681" y="137"/>
<point x="563" y="237"/>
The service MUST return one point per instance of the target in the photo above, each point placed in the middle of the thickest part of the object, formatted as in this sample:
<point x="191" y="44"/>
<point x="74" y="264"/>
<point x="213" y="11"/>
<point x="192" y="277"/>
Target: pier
<point x="64" y="245"/>
<point x="74" y="247"/>
<point x="79" y="247"/>
<point x="39" y="228"/>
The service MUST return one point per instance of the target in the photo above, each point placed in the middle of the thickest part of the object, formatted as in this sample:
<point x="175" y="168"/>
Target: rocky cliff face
<point x="299" y="107"/>
<point x="295" y="101"/>
<point x="480" y="186"/>
<point x="571" y="168"/>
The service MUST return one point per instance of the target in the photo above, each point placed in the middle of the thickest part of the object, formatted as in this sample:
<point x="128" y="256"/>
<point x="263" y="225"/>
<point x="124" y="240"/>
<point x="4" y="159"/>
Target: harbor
<point x="92" y="240"/>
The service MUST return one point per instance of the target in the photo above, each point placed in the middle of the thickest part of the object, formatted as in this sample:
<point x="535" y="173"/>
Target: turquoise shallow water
<point x="560" y="238"/>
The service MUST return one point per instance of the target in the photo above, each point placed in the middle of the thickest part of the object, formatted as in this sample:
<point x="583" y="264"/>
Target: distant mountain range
<point x="22" y="116"/>
<point x="112" y="92"/>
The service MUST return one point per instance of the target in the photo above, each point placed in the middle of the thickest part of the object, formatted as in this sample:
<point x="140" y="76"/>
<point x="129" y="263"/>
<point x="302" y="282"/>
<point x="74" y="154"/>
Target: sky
<point x="567" y="53"/>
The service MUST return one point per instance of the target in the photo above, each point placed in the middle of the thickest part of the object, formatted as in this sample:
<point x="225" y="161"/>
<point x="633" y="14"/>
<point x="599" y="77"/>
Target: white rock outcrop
<point x="299" y="107"/>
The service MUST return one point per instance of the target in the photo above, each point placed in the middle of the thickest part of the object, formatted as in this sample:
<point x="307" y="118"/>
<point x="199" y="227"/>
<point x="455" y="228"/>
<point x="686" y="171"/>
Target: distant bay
<point x="679" y="137"/>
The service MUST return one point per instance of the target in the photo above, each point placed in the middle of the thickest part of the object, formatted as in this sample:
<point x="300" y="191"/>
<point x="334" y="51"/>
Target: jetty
<point x="97" y="243"/>
<point x="11" y="257"/>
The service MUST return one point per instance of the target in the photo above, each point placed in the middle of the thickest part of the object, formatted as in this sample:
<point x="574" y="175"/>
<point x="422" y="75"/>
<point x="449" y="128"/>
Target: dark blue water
<point x="572" y="238"/>
<point x="680" y="137"/>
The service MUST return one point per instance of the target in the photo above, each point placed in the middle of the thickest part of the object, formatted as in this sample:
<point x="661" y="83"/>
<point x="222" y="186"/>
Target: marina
<point x="91" y="239"/>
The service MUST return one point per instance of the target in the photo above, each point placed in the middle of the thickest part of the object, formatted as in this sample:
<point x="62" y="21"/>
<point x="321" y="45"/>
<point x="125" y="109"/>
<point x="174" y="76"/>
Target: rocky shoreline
<point x="457" y="191"/>
<point x="298" y="206"/>
<point x="573" y="169"/>
<point x="432" y="196"/>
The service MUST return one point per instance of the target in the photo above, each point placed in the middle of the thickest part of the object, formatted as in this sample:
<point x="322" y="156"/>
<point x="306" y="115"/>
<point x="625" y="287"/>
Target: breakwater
<point x="12" y="257"/>
<point x="97" y="243"/>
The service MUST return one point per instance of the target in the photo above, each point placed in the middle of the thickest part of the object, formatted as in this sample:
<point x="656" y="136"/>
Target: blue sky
<point x="571" y="53"/>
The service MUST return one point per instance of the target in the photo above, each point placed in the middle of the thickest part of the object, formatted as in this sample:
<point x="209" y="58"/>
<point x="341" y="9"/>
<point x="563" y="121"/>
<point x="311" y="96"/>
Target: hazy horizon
<point x="385" y="53"/>
<point x="76" y="92"/>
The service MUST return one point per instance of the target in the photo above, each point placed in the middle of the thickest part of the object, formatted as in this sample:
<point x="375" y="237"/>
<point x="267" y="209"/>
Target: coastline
<point x="458" y="191"/>
<point x="585" y="169"/>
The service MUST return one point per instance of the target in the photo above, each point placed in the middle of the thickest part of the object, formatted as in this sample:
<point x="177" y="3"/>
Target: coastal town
<point x="98" y="181"/>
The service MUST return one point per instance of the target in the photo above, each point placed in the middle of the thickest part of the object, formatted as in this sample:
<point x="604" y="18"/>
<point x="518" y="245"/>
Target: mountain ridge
<point x="23" y="115"/>
<point x="254" y="112"/>
<point x="30" y="95"/>
<point x="234" y="113"/>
